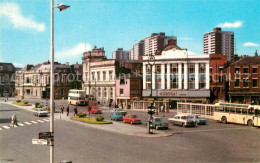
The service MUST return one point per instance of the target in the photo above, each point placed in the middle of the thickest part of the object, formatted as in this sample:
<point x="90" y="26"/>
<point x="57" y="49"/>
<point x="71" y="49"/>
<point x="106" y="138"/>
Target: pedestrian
<point x="162" y="108"/>
<point x="62" y="109"/>
<point x="75" y="111"/>
<point x="68" y="110"/>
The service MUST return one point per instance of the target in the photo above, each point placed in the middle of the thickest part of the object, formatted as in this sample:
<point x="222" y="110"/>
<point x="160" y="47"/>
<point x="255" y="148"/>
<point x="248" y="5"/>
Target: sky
<point x="112" y="24"/>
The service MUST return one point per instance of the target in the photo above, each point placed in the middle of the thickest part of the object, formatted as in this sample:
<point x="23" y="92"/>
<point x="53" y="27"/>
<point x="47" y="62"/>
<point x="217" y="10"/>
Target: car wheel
<point x="224" y="120"/>
<point x="250" y="123"/>
<point x="183" y="125"/>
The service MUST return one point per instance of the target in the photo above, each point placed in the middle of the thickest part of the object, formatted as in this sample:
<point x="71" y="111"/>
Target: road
<point x="80" y="143"/>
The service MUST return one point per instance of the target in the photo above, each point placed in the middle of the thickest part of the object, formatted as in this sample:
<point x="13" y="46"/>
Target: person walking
<point x="68" y="110"/>
<point x="14" y="120"/>
<point x="75" y="111"/>
<point x="61" y="108"/>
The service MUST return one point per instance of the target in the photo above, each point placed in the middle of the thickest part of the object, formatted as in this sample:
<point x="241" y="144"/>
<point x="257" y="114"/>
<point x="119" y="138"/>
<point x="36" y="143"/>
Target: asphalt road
<point x="211" y="143"/>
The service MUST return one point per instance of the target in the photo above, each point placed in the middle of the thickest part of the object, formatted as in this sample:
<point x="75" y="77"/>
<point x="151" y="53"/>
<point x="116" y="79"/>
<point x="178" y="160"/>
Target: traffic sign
<point x="45" y="135"/>
<point x="40" y="141"/>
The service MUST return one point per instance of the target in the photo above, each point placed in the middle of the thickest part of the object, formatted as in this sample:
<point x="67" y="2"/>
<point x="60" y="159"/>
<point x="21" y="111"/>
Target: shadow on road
<point x="5" y="120"/>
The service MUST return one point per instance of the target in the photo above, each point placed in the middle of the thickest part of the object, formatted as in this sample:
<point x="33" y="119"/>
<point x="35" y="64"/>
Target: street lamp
<point x="61" y="7"/>
<point x="151" y="62"/>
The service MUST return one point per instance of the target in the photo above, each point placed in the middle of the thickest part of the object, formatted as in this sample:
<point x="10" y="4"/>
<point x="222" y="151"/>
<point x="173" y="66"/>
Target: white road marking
<point x="40" y="121"/>
<point x="6" y="127"/>
<point x="20" y="124"/>
<point x="28" y="123"/>
<point x="212" y="130"/>
<point x="47" y="120"/>
<point x="34" y="122"/>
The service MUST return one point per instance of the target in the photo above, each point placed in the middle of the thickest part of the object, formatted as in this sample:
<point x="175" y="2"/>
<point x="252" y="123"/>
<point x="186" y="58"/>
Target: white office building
<point x="177" y="75"/>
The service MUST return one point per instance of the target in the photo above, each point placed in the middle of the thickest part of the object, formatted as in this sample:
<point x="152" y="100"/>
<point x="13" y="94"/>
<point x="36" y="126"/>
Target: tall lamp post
<point x="60" y="7"/>
<point x="151" y="62"/>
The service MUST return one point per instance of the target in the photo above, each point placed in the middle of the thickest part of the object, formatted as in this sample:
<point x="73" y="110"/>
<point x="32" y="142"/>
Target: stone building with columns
<point x="99" y="75"/>
<point x="177" y="76"/>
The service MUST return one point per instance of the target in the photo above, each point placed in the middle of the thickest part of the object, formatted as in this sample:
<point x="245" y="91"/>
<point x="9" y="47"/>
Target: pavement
<point x="116" y="127"/>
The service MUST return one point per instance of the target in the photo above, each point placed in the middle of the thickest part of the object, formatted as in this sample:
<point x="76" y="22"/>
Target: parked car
<point x="116" y="116"/>
<point x="157" y="123"/>
<point x="182" y="120"/>
<point x="132" y="118"/>
<point x="123" y="112"/>
<point x="94" y="110"/>
<point x="197" y="119"/>
<point x="41" y="112"/>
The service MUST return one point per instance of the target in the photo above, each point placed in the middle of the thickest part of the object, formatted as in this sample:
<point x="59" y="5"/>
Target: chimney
<point x="256" y="54"/>
<point x="67" y="63"/>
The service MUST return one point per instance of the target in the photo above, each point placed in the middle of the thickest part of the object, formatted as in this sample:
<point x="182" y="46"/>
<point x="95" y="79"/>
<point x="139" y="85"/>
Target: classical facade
<point x="7" y="76"/>
<point x="244" y="80"/>
<point x="32" y="80"/>
<point x="99" y="75"/>
<point x="176" y="75"/>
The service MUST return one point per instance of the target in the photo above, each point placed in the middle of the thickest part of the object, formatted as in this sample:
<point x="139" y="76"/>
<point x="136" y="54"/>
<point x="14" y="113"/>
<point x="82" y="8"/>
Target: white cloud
<point x="18" y="65"/>
<point x="13" y="12"/>
<point x="185" y="38"/>
<point x="250" y="44"/>
<point x="236" y="24"/>
<point x="191" y="53"/>
<point x="73" y="53"/>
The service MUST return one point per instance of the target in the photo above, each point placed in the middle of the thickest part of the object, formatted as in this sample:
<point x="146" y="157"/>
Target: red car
<point x="132" y="118"/>
<point x="93" y="110"/>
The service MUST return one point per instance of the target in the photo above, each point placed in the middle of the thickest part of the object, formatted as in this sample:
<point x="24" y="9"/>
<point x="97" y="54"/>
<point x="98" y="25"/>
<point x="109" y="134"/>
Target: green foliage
<point x="81" y="115"/>
<point x="25" y="102"/>
<point x="18" y="100"/>
<point x="100" y="118"/>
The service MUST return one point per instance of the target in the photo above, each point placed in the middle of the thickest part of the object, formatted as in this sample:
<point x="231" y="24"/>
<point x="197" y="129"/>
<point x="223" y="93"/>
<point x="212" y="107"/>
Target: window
<point x="237" y="69"/>
<point x="105" y="92"/>
<point x="255" y="70"/>
<point x="245" y="81"/>
<point x="28" y="91"/>
<point x="237" y="83"/>
<point x="220" y="69"/>
<point x="210" y="69"/>
<point x="174" y="81"/>
<point x="98" y="75"/>
<point x="28" y="80"/>
<point x="148" y="81"/>
<point x="93" y="76"/>
<point x="202" y="68"/>
<point x="104" y="76"/>
<point x="255" y="83"/>
<point x="191" y="80"/>
<point x="110" y="75"/>
<point x="245" y="70"/>
<point x="202" y="81"/>
<point x="111" y="92"/>
<point x="220" y="79"/>
<point x="158" y="76"/>
<point x="121" y="91"/>
<point x="173" y="68"/>
<point x="99" y="92"/>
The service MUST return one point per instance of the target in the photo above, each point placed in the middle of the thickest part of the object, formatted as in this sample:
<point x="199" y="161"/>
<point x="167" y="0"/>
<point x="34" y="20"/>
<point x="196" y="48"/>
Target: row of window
<point x="104" y="92"/>
<point x="246" y="70"/>
<point x="246" y="83"/>
<point x="99" y="73"/>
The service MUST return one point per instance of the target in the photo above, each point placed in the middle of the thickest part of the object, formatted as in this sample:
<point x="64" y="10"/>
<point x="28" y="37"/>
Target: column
<point x="207" y="75"/>
<point x="185" y="76"/>
<point x="153" y="77"/>
<point x="168" y="77"/>
<point x="162" y="76"/>
<point x="179" y="76"/>
<point x="107" y="75"/>
<point x="196" y="75"/>
<point x="144" y="76"/>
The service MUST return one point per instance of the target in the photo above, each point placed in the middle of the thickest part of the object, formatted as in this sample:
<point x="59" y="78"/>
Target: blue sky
<point x="112" y="24"/>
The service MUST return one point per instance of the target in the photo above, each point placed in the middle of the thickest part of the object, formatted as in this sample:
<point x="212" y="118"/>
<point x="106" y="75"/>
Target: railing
<point x="205" y="110"/>
<point x="143" y="105"/>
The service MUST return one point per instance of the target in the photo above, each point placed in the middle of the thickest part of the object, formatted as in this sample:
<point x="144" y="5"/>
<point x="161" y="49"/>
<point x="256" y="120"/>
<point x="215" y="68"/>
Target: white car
<point x="182" y="120"/>
<point x="41" y="112"/>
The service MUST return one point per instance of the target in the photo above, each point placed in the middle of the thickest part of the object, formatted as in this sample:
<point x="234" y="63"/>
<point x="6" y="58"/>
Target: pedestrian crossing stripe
<point x="27" y="123"/>
<point x="6" y="127"/>
<point x="20" y="124"/>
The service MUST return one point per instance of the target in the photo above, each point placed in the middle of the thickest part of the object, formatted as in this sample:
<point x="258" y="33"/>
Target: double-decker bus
<point x="77" y="97"/>
<point x="237" y="113"/>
